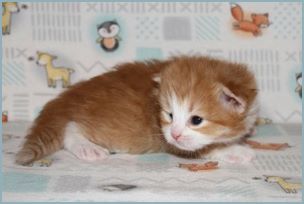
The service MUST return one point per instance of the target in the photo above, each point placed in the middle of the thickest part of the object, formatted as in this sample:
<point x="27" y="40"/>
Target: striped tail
<point x="45" y="137"/>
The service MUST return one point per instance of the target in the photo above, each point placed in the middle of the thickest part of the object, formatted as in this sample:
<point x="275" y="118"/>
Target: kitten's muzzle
<point x="176" y="136"/>
<point x="176" y="133"/>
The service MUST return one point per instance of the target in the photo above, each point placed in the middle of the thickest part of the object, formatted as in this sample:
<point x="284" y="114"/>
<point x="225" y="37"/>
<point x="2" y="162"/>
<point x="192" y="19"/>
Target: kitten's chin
<point x="183" y="147"/>
<point x="187" y="145"/>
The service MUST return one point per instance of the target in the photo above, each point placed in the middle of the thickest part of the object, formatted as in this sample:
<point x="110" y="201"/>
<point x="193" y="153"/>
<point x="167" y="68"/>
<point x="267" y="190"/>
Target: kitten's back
<point x="114" y="110"/>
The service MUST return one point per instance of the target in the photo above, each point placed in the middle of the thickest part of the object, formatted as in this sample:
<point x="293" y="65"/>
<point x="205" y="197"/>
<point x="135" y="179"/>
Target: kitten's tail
<point x="45" y="136"/>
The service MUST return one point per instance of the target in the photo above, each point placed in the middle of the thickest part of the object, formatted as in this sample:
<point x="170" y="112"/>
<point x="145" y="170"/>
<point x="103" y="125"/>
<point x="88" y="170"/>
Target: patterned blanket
<point x="272" y="176"/>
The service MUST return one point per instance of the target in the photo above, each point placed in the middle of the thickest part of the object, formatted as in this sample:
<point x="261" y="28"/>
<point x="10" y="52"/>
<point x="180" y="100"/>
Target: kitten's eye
<point x="196" y="120"/>
<point x="171" y="115"/>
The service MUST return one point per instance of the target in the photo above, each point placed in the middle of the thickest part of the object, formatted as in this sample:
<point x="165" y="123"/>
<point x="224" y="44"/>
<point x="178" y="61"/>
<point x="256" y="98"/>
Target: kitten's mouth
<point x="181" y="145"/>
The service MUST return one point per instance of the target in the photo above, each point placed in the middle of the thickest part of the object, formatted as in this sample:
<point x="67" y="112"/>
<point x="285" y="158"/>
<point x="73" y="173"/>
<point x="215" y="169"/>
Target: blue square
<point x="268" y="130"/>
<point x="24" y="182"/>
<point x="143" y="53"/>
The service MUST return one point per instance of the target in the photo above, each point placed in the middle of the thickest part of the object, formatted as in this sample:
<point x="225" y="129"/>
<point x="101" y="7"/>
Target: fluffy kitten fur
<point x="137" y="107"/>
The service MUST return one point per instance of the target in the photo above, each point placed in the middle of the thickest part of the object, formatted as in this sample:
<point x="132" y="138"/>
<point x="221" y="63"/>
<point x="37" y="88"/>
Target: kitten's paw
<point x="235" y="154"/>
<point x="89" y="152"/>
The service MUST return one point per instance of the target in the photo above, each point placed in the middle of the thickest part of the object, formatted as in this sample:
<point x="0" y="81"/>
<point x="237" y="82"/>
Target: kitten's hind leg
<point x="80" y="146"/>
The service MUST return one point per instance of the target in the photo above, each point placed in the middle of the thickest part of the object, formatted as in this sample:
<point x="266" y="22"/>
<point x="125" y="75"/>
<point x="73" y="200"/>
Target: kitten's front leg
<point x="234" y="154"/>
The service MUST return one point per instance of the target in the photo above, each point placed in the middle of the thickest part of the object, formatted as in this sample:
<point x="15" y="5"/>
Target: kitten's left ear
<point x="232" y="102"/>
<point x="156" y="77"/>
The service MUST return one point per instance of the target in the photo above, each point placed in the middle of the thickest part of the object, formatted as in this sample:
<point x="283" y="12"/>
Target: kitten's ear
<point x="156" y="77"/>
<point x="231" y="102"/>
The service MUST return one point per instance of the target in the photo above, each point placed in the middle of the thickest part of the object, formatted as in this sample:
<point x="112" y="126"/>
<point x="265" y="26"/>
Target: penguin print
<point x="299" y="84"/>
<point x="109" y="38"/>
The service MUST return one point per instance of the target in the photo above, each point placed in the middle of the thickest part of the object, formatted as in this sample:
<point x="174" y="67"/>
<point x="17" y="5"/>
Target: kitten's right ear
<point x="230" y="101"/>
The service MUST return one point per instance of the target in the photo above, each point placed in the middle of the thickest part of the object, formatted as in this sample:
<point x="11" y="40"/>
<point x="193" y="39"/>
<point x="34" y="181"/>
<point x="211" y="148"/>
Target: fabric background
<point x="149" y="30"/>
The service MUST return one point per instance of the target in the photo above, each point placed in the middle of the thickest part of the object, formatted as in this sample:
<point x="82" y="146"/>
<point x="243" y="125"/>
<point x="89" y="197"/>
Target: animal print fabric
<point x="273" y="176"/>
<point x="81" y="40"/>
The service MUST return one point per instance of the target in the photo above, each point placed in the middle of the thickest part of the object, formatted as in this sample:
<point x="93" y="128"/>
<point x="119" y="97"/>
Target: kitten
<point x="188" y="106"/>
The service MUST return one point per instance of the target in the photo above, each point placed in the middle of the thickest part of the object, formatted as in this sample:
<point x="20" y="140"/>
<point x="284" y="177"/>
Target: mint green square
<point x="268" y="130"/>
<point x="24" y="182"/>
<point x="154" y="157"/>
<point x="143" y="53"/>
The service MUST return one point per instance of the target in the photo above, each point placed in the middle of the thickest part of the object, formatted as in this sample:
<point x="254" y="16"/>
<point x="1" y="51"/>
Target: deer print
<point x="54" y="73"/>
<point x="285" y="185"/>
<point x="8" y="9"/>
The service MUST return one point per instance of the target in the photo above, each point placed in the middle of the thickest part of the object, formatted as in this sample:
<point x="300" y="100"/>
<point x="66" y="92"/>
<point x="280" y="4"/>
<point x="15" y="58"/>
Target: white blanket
<point x="152" y="177"/>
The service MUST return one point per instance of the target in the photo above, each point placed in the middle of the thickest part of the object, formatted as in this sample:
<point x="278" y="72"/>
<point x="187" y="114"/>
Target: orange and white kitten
<point x="188" y="106"/>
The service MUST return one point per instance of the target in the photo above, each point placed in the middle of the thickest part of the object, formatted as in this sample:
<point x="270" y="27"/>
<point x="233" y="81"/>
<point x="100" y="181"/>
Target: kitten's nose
<point x="176" y="132"/>
<point x="175" y="135"/>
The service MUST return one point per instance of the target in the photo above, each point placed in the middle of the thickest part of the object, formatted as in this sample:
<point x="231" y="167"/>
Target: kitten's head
<point x="206" y="101"/>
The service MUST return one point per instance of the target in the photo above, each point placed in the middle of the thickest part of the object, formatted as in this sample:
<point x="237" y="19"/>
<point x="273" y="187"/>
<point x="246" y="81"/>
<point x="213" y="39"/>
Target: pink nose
<point x="176" y="135"/>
